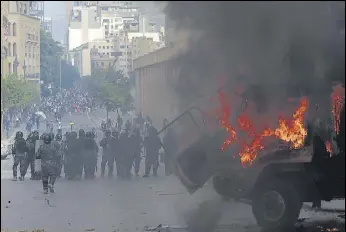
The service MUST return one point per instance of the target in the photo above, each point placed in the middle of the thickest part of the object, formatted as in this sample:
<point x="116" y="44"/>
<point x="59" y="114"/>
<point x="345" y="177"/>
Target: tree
<point x="69" y="75"/>
<point x="16" y="92"/>
<point x="50" y="56"/>
<point x="110" y="89"/>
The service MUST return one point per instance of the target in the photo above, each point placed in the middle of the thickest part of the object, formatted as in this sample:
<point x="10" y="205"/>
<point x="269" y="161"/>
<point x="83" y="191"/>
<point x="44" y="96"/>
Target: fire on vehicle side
<point x="278" y="181"/>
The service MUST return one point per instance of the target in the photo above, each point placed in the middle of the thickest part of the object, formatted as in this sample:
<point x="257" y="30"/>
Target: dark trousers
<point x="19" y="159"/>
<point x="30" y="160"/>
<point x="48" y="176"/>
<point x="151" y="161"/>
<point x="109" y="160"/>
<point x="137" y="162"/>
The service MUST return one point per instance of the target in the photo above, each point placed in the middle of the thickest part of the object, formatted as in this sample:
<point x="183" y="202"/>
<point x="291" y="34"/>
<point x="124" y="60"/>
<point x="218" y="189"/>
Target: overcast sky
<point x="57" y="11"/>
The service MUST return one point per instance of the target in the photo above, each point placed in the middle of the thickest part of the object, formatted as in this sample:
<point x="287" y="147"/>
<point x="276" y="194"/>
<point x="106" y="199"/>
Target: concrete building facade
<point x="23" y="43"/>
<point x="84" y="27"/>
<point x="5" y="27"/>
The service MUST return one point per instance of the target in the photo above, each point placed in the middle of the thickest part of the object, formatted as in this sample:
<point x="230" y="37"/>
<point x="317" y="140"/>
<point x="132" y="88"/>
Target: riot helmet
<point x="46" y="138"/>
<point x="108" y="133"/>
<point x="19" y="134"/>
<point x="58" y="137"/>
<point x="89" y="135"/>
<point x="115" y="134"/>
<point x="81" y="133"/>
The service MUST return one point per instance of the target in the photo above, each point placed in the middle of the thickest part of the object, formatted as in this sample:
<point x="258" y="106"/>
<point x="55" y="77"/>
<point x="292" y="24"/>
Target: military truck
<point x="276" y="184"/>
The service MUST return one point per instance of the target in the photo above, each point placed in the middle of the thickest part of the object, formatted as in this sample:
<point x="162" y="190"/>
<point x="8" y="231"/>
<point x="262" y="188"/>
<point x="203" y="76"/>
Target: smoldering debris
<point x="205" y="217"/>
<point x="282" y="48"/>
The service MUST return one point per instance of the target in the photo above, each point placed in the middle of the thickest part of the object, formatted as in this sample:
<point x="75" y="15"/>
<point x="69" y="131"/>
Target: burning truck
<point x="277" y="164"/>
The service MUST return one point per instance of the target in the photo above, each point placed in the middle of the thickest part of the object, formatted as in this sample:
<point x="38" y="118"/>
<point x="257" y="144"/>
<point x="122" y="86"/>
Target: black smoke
<point x="288" y="49"/>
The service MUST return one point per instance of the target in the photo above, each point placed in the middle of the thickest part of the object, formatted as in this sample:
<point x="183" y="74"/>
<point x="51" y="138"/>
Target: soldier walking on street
<point x="30" y="156"/>
<point x="136" y="146"/>
<point x="152" y="144"/>
<point x="19" y="149"/>
<point x="107" y="154"/>
<point x="91" y="151"/>
<point x="50" y="158"/>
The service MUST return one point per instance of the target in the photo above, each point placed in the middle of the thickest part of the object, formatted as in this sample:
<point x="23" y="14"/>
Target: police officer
<point x="58" y="144"/>
<point x="50" y="158"/>
<point x="152" y="144"/>
<point x="136" y="146"/>
<point x="30" y="157"/>
<point x="19" y="149"/>
<point x="72" y="156"/>
<point x="115" y="148"/>
<point x="125" y="155"/>
<point x="107" y="154"/>
<point x="81" y="153"/>
<point x="91" y="151"/>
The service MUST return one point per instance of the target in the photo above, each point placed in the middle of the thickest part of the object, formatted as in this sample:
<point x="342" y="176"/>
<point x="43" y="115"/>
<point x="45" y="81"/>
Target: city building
<point x="47" y="25"/>
<point x="84" y="26"/>
<point x="79" y="57"/>
<point x="4" y="36"/>
<point x="23" y="43"/>
<point x="155" y="74"/>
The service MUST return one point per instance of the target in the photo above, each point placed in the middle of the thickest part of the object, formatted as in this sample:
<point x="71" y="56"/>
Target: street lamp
<point x="24" y="69"/>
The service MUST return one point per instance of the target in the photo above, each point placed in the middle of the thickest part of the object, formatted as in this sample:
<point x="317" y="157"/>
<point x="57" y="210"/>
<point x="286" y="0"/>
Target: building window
<point x="102" y="64"/>
<point x="104" y="47"/>
<point x="107" y="47"/>
<point x="14" y="49"/>
<point x="99" y="47"/>
<point x="20" y="7"/>
<point x="9" y="67"/>
<point x="25" y="9"/>
<point x="14" y="31"/>
<point x="9" y="49"/>
<point x="111" y="47"/>
<point x="9" y="28"/>
<point x="26" y="51"/>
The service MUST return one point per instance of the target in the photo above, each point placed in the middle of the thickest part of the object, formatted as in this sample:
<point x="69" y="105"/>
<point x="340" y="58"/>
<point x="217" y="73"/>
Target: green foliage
<point x="50" y="54"/>
<point x="16" y="92"/>
<point x="69" y="75"/>
<point x="110" y="88"/>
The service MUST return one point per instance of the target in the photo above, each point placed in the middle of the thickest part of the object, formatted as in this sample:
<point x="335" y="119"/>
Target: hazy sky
<point x="57" y="10"/>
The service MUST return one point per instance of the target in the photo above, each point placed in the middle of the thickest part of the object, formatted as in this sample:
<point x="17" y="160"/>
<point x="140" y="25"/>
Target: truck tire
<point x="220" y="185"/>
<point x="276" y="205"/>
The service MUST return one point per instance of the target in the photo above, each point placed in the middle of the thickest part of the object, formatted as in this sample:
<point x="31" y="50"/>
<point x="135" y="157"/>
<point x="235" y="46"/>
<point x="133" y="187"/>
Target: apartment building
<point x="4" y="36"/>
<point x="23" y="43"/>
<point x="84" y="26"/>
<point x="155" y="75"/>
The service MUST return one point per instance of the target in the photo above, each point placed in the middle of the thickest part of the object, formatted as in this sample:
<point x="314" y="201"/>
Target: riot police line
<point x="77" y="154"/>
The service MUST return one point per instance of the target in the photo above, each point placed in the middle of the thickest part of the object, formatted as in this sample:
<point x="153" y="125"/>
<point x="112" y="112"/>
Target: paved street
<point x="109" y="205"/>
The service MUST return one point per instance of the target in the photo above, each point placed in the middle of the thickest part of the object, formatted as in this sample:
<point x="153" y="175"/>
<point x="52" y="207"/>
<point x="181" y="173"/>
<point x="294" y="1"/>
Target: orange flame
<point x="224" y="121"/>
<point x="293" y="131"/>
<point x="290" y="131"/>
<point x="337" y="103"/>
<point x="329" y="147"/>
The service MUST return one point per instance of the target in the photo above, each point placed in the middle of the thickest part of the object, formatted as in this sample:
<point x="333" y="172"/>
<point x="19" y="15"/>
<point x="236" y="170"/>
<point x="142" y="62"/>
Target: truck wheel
<point x="276" y="205"/>
<point x="220" y="185"/>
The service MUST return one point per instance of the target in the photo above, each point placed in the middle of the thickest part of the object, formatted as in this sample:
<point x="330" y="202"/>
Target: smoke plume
<point x="281" y="49"/>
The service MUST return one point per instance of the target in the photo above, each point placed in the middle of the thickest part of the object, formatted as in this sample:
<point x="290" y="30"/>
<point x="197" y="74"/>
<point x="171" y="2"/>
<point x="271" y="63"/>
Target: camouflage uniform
<point x="19" y="150"/>
<point x="30" y="157"/>
<point x="50" y="160"/>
